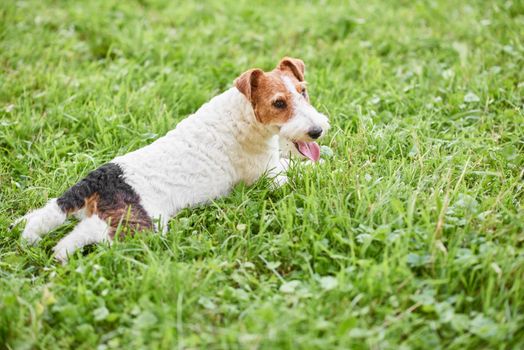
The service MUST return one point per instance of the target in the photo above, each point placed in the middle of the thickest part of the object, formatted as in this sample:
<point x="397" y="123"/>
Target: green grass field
<point x="411" y="236"/>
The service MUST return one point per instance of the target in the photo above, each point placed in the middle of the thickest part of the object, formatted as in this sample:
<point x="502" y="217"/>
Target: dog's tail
<point x="76" y="197"/>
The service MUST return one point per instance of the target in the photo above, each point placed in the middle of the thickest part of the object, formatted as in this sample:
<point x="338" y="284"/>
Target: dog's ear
<point x="295" y="65"/>
<point x="247" y="83"/>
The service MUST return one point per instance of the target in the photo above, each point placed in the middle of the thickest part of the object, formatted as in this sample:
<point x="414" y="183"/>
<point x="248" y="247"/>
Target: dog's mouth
<point x="309" y="150"/>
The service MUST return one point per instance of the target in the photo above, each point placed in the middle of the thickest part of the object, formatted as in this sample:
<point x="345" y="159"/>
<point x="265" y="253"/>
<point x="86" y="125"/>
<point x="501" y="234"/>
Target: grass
<point x="410" y="237"/>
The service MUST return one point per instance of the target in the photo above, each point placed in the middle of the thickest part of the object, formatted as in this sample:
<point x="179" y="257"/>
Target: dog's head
<point x="280" y="99"/>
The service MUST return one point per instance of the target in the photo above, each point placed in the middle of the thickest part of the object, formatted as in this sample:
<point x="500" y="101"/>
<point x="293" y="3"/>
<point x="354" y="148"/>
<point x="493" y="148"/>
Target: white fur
<point x="212" y="150"/>
<point x="288" y="149"/>
<point x="88" y="231"/>
<point x="305" y="117"/>
<point x="207" y="154"/>
<point x="41" y="221"/>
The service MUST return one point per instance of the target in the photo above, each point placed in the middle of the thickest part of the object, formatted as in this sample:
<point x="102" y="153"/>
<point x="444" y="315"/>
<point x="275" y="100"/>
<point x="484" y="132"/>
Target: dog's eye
<point x="303" y="92"/>
<point x="280" y="104"/>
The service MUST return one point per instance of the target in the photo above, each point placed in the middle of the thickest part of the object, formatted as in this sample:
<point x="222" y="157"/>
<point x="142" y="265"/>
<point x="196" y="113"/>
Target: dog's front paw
<point x="279" y="180"/>
<point x="310" y="162"/>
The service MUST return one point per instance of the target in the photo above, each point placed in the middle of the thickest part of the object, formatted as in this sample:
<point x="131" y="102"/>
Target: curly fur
<point x="233" y="138"/>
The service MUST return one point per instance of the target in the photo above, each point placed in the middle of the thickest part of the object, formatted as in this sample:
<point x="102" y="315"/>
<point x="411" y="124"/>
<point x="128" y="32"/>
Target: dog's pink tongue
<point x="310" y="150"/>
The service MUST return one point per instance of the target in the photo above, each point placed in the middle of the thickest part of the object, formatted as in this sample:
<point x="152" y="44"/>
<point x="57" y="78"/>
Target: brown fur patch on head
<point x="271" y="100"/>
<point x="248" y="82"/>
<point x="295" y="65"/>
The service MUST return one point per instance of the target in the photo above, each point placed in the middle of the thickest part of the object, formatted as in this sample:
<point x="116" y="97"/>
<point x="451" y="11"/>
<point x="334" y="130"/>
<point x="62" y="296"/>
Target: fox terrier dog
<point x="237" y="136"/>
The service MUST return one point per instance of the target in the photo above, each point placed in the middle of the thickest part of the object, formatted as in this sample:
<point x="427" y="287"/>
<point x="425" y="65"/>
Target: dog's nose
<point x="315" y="132"/>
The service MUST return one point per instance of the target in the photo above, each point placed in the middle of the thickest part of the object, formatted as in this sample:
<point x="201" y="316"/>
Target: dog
<point x="237" y="136"/>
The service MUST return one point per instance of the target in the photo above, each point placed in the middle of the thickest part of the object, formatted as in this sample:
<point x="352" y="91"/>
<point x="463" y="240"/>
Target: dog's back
<point x="232" y="138"/>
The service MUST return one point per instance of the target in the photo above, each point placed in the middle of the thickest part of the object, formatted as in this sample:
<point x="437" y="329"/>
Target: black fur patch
<point x="106" y="194"/>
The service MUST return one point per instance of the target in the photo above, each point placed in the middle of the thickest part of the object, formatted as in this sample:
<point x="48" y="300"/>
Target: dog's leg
<point x="41" y="221"/>
<point x="279" y="180"/>
<point x="278" y="172"/>
<point x="88" y="231"/>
